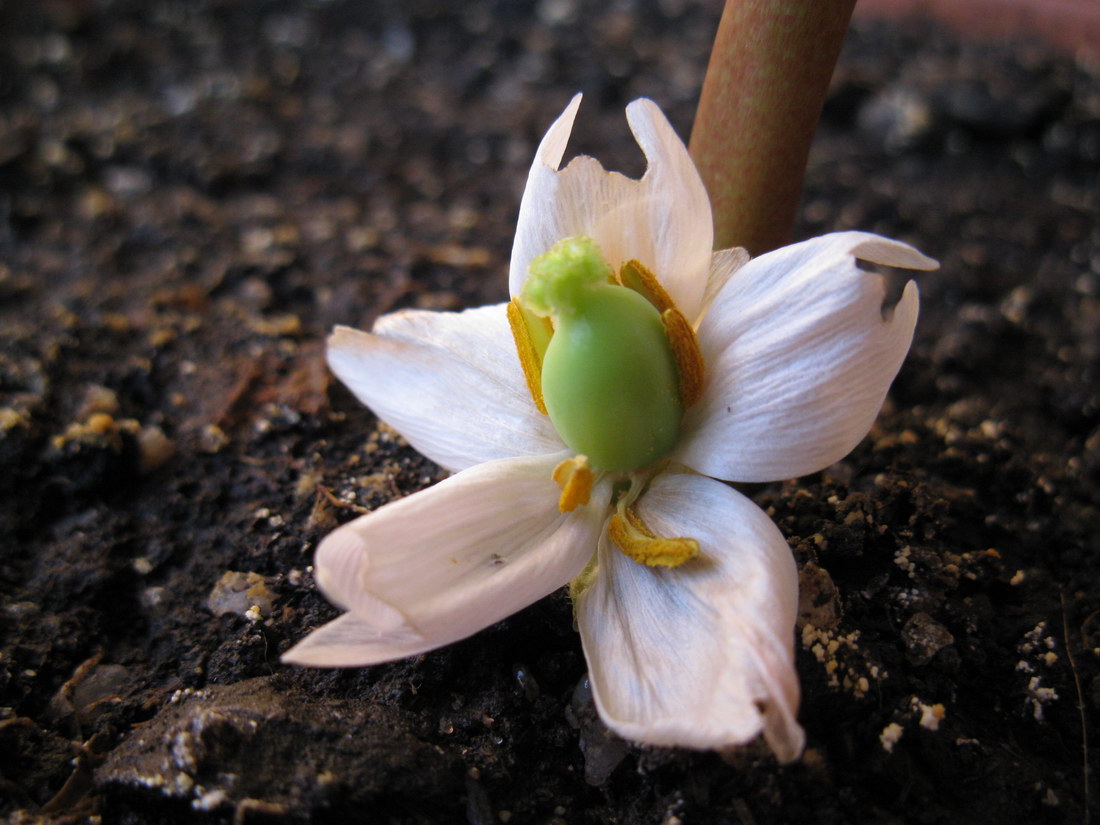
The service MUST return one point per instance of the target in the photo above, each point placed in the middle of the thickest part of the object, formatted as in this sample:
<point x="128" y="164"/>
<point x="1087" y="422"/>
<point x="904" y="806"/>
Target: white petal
<point x="448" y="561"/>
<point x="349" y="641"/>
<point x="723" y="265"/>
<point x="536" y="228"/>
<point x="662" y="220"/>
<point x="451" y="383"/>
<point x="699" y="656"/>
<point x="798" y="358"/>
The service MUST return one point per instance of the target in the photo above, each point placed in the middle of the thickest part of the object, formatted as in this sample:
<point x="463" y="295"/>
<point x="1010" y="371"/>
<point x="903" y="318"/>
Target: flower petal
<point x="724" y="264"/>
<point x="451" y="383"/>
<point x="662" y="220"/>
<point x="448" y="561"/>
<point x="700" y="655"/>
<point x="799" y="358"/>
<point x="349" y="641"/>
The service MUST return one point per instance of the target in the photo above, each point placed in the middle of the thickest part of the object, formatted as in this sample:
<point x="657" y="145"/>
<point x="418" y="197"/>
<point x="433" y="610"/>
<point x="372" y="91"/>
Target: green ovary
<point x="609" y="377"/>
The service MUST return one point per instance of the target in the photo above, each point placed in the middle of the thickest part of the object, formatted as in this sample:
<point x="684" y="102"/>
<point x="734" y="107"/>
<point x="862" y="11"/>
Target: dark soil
<point x="192" y="194"/>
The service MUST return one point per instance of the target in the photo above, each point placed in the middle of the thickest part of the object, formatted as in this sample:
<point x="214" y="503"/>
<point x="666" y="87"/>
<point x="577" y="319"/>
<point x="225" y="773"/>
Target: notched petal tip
<point x="784" y="735"/>
<point x="766" y="706"/>
<point x="778" y="707"/>
<point x="904" y="312"/>
<point x="652" y="131"/>
<point x="887" y="252"/>
<point x="724" y="263"/>
<point x="344" y="338"/>
<point x="552" y="146"/>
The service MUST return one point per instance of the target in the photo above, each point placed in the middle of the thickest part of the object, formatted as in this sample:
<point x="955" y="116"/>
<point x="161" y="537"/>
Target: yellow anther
<point x="689" y="358"/>
<point x="531" y="335"/>
<point x="639" y="543"/>
<point x="636" y="276"/>
<point x="681" y="335"/>
<point x="575" y="478"/>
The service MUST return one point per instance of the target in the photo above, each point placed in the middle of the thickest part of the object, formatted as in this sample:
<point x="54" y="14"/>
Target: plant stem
<point x="761" y="100"/>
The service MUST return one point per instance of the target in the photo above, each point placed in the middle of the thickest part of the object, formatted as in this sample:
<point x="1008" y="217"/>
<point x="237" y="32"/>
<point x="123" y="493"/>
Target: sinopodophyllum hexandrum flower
<point x="694" y="647"/>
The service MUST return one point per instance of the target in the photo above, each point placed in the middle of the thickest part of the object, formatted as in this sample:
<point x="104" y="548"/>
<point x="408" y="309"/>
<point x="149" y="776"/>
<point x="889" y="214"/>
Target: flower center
<point x="614" y="364"/>
<point x="610" y="375"/>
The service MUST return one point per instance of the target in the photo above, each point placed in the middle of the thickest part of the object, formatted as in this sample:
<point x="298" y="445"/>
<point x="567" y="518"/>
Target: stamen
<point x="639" y="543"/>
<point x="636" y="276"/>
<point x="530" y="356"/>
<point x="689" y="358"/>
<point x="681" y="336"/>
<point x="575" y="478"/>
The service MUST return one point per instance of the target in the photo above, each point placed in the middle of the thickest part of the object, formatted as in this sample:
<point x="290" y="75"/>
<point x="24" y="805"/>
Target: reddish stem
<point x="761" y="100"/>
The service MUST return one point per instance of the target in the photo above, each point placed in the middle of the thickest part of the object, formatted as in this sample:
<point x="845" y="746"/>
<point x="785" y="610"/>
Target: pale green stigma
<point x="609" y="376"/>
<point x="556" y="278"/>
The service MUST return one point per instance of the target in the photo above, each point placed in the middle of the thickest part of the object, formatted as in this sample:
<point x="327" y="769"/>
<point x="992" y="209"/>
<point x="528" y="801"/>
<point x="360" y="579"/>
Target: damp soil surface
<point x="193" y="194"/>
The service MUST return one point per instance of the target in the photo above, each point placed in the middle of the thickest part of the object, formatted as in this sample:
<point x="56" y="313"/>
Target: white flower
<point x="798" y="356"/>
